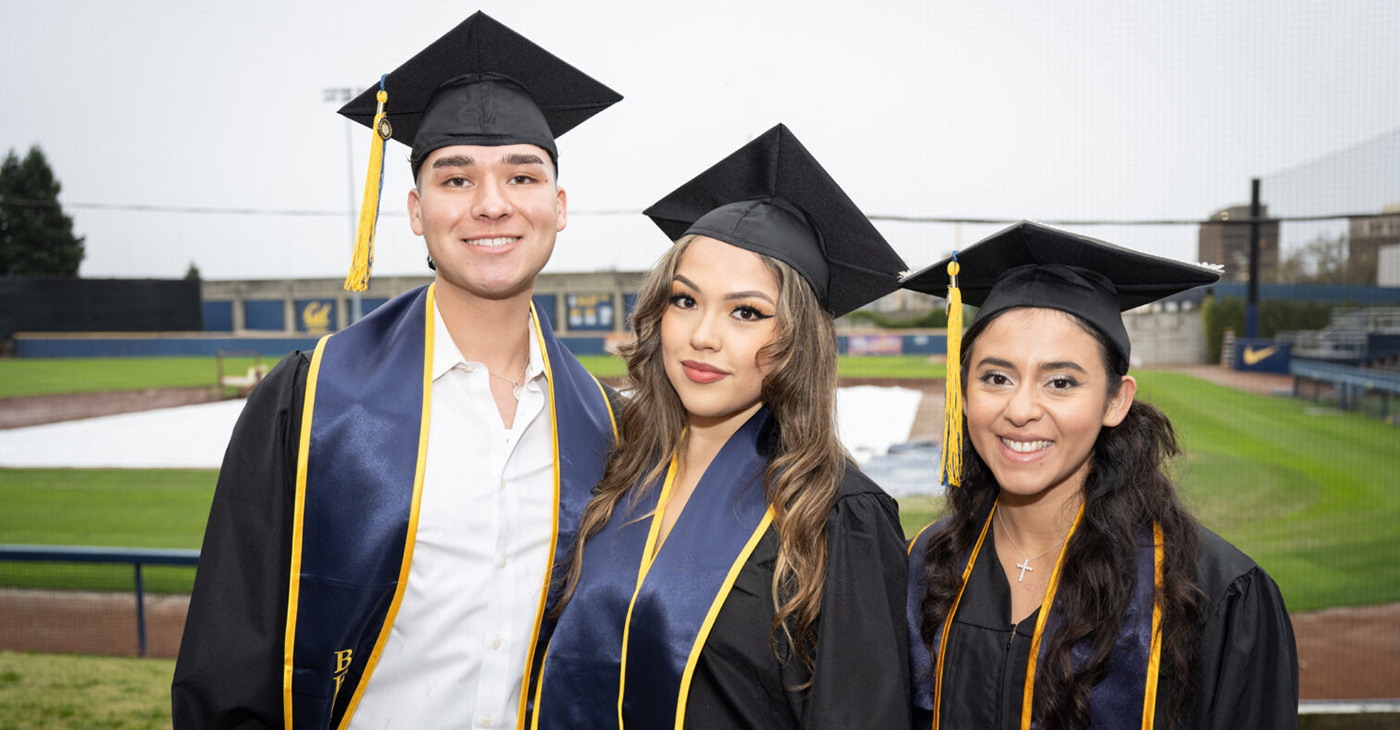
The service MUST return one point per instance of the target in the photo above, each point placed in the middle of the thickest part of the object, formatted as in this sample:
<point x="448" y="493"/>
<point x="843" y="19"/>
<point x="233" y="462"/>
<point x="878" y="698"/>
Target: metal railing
<point x="135" y="557"/>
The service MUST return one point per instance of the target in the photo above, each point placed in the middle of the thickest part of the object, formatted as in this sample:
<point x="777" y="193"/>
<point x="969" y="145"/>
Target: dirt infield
<point x="89" y="622"/>
<point x="1344" y="653"/>
<point x="36" y="410"/>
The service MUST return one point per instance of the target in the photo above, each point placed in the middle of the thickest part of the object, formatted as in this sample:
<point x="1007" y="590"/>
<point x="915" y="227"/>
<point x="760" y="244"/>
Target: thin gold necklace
<point x="515" y="384"/>
<point x="1025" y="563"/>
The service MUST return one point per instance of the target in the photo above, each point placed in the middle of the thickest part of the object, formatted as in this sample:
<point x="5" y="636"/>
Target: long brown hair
<point x="1127" y="489"/>
<point x="806" y="464"/>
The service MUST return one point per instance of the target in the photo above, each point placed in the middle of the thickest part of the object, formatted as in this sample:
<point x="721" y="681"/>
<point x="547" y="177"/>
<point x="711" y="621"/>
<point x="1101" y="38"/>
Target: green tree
<point x="36" y="238"/>
<point x="1325" y="260"/>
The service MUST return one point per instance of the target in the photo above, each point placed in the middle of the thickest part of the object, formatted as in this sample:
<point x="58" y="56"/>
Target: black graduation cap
<point x="772" y="197"/>
<point x="480" y="84"/>
<point x="1033" y="265"/>
<point x="483" y="84"/>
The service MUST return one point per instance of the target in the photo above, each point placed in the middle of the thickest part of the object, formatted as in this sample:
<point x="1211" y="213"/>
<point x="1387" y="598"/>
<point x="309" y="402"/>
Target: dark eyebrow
<point x="729" y="297"/>
<point x="1063" y="365"/>
<point x="522" y="158"/>
<point x="1057" y="365"/>
<point x="454" y="161"/>
<point x="749" y="295"/>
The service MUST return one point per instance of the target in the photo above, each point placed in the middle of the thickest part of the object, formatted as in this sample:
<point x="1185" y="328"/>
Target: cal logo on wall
<point x="1261" y="356"/>
<point x="589" y="311"/>
<point x="316" y="316"/>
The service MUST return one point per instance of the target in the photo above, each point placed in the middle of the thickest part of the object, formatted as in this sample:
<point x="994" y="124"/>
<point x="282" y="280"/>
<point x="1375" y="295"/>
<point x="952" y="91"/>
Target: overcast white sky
<point x="1047" y="110"/>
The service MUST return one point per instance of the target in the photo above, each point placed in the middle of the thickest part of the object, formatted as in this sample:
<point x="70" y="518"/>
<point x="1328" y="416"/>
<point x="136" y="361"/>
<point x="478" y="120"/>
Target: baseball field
<point x="1313" y="494"/>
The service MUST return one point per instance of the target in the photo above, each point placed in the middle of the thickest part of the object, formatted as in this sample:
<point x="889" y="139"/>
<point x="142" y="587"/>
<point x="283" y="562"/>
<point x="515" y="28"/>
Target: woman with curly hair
<point x="734" y="568"/>
<point x="1067" y="587"/>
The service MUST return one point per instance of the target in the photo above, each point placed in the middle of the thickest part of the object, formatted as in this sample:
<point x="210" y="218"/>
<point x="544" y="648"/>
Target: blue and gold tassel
<point x="952" y="397"/>
<point x="363" y="260"/>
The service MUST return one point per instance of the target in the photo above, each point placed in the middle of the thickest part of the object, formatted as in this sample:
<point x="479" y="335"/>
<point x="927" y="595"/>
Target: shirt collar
<point x="446" y="355"/>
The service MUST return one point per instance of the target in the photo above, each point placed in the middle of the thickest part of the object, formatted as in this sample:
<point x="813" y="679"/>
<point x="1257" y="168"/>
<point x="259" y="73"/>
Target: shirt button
<point x="486" y="721"/>
<point x="501" y="561"/>
<point x="503" y="482"/>
<point x="496" y="643"/>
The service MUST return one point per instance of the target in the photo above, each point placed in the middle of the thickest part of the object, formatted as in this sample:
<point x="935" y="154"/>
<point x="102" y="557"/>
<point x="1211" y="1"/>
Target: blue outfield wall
<point x="893" y="343"/>
<point x="176" y="346"/>
<point x="136" y="346"/>
<point x="196" y="344"/>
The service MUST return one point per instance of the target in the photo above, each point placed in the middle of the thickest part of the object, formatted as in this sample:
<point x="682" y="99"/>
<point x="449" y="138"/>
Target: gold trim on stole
<point x="714" y="611"/>
<point x="429" y="332"/>
<point x="294" y="589"/>
<point x="648" y="555"/>
<point x="1028" y="693"/>
<point x="1154" y="655"/>
<point x="521" y="713"/>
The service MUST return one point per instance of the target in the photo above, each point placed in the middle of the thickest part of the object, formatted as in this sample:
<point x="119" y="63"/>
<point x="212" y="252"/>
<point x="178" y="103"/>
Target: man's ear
<point x="563" y="203"/>
<point x="415" y="211"/>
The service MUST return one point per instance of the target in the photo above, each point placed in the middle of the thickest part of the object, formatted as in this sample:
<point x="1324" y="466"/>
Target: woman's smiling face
<point x="1036" y="398"/>
<point x="722" y="312"/>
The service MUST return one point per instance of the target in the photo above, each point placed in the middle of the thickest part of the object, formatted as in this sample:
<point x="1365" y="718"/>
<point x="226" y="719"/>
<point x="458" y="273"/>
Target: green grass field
<point x="61" y="692"/>
<point x="148" y="508"/>
<point x="46" y="376"/>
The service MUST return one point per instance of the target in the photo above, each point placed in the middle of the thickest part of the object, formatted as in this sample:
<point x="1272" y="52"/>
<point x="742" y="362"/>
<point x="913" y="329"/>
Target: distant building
<point x="1228" y="243"/>
<point x="1366" y="237"/>
<point x="1388" y="265"/>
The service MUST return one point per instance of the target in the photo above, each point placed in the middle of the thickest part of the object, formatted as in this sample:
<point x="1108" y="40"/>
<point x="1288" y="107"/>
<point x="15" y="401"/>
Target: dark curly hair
<point x="1127" y="489"/>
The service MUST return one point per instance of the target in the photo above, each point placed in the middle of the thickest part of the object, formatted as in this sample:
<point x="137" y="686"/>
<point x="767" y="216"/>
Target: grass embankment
<point x="61" y="692"/>
<point x="1311" y="494"/>
<point x="49" y="376"/>
<point x="147" y="508"/>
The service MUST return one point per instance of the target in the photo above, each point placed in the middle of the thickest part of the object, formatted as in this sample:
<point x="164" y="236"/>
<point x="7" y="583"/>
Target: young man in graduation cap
<point x="1068" y="587"/>
<point x="393" y="508"/>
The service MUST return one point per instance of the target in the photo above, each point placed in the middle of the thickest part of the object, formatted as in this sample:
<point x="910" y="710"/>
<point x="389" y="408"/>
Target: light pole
<point x="341" y="95"/>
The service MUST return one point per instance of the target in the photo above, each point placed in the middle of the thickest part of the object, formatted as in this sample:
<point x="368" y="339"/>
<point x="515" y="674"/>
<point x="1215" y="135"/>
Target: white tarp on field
<point x="870" y="420"/>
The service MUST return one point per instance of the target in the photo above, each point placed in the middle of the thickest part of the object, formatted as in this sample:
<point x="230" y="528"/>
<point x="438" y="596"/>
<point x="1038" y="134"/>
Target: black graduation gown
<point x="228" y="673"/>
<point x="229" y="670"/>
<point x="1247" y="660"/>
<point x="862" y="676"/>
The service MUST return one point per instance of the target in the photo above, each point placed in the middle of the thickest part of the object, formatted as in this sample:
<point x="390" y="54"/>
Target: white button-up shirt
<point x="457" y="650"/>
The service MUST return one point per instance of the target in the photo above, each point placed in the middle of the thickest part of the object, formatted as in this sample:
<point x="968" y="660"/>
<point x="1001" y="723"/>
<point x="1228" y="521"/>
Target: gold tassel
<point x="952" y="398"/>
<point x="363" y="260"/>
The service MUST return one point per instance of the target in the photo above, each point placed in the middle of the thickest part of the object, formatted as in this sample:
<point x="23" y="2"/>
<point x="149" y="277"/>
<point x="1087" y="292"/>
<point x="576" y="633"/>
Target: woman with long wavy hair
<point x="734" y="568"/>
<point x="1067" y="587"/>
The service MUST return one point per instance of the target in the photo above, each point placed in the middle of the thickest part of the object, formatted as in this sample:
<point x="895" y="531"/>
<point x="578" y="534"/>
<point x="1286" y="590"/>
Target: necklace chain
<point x="1025" y="563"/>
<point x="515" y="384"/>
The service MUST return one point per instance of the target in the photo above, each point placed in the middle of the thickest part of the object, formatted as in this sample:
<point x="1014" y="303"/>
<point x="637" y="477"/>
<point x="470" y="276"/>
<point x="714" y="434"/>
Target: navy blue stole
<point x="626" y="645"/>
<point x="1126" y="697"/>
<point x="359" y="481"/>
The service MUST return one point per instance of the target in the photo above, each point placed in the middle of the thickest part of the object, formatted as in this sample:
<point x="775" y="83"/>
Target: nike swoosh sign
<point x="1252" y="356"/>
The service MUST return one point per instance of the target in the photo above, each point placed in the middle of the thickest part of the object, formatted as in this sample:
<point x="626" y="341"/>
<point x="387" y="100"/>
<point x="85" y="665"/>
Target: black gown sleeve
<point x="861" y="673"/>
<point x="861" y="678"/>
<point x="1248" y="657"/>
<point x="229" y="670"/>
